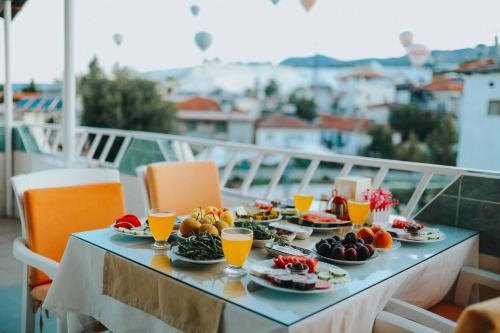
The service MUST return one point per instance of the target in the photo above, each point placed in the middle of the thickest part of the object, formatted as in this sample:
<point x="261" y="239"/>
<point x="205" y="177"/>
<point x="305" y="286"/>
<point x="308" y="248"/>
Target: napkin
<point x="173" y="302"/>
<point x="482" y="317"/>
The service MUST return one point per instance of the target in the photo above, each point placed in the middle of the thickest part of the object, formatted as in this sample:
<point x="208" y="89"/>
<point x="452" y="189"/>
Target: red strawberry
<point x="126" y="225"/>
<point x="130" y="218"/>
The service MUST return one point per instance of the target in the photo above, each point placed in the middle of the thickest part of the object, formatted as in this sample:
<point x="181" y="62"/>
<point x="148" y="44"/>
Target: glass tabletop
<point x="283" y="308"/>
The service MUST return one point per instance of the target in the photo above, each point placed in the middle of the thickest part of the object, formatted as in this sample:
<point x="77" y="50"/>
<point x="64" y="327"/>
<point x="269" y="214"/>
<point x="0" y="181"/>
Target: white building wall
<point x="479" y="133"/>
<point x="240" y="131"/>
<point x="290" y="138"/>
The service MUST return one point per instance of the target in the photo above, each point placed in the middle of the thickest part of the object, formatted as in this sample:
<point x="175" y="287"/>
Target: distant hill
<point x="439" y="57"/>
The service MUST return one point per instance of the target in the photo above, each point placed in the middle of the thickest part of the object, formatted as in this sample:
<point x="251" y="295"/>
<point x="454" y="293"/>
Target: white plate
<point x="302" y="232"/>
<point x="442" y="237"/>
<point x="269" y="263"/>
<point x="200" y="262"/>
<point x="277" y="250"/>
<point x="395" y="245"/>
<point x="374" y="257"/>
<point x="129" y="233"/>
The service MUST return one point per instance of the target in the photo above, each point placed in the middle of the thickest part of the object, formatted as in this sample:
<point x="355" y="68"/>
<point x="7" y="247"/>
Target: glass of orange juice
<point x="303" y="201"/>
<point x="236" y="244"/>
<point x="161" y="223"/>
<point x="358" y="211"/>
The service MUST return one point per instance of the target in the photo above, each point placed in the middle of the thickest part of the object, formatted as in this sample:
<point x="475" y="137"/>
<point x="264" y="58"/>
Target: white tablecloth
<point x="78" y="285"/>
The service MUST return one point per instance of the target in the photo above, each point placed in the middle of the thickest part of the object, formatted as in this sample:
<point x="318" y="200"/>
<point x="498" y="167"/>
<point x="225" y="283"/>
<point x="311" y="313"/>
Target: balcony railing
<point x="104" y="147"/>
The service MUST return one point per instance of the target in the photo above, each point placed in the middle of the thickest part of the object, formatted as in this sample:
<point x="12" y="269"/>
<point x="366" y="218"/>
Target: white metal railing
<point x="89" y="140"/>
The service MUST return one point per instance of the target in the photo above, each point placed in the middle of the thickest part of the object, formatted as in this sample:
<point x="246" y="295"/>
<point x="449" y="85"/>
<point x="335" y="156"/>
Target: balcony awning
<point x="39" y="104"/>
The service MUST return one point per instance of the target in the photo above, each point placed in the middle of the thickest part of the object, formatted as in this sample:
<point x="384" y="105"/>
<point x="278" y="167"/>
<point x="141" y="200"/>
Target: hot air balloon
<point x="275" y="2"/>
<point x="118" y="38"/>
<point x="418" y="54"/>
<point x="203" y="40"/>
<point x="195" y="9"/>
<point x="406" y="38"/>
<point x="308" y="4"/>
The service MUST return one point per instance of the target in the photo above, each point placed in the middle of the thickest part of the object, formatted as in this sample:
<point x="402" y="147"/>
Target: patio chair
<point x="180" y="186"/>
<point x="58" y="193"/>
<point x="443" y="317"/>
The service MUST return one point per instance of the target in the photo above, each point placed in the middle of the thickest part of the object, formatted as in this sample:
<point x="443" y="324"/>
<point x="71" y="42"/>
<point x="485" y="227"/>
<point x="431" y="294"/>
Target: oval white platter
<point x="374" y="257"/>
<point x="175" y="255"/>
<point x="321" y="265"/>
<point x="434" y="240"/>
<point x="130" y="232"/>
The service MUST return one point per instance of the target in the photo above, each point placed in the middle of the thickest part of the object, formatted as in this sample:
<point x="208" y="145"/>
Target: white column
<point x="69" y="89"/>
<point x="8" y="107"/>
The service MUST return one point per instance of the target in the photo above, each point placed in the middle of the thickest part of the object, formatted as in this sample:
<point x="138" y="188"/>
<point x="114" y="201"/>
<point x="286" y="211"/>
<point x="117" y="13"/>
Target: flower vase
<point x="380" y="216"/>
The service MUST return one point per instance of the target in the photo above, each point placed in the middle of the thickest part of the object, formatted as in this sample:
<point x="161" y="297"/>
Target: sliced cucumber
<point x="326" y="276"/>
<point x="337" y="272"/>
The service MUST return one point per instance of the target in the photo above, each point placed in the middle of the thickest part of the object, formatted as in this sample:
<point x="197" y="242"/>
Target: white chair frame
<point x="468" y="277"/>
<point x="20" y="250"/>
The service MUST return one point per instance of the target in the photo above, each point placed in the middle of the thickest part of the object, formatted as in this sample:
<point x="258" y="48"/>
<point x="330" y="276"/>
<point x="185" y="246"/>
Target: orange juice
<point x="161" y="224"/>
<point x="236" y="248"/>
<point x="358" y="211"/>
<point x="303" y="202"/>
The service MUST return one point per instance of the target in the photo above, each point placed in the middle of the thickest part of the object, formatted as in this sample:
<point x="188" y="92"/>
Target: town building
<point x="327" y="134"/>
<point x="205" y="117"/>
<point x="479" y="118"/>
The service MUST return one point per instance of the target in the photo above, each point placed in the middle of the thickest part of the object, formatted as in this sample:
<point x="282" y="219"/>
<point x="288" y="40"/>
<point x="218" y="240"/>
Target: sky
<point x="159" y="34"/>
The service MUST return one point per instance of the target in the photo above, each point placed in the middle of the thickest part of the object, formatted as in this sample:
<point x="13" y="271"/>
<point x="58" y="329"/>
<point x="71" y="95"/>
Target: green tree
<point x="271" y="89"/>
<point x="411" y="150"/>
<point x="408" y="118"/>
<point x="306" y="107"/>
<point x="31" y="87"/>
<point x="442" y="142"/>
<point x="125" y="102"/>
<point x="381" y="145"/>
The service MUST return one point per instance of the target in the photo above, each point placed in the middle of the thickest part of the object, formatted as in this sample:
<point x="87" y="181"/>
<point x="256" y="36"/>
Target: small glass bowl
<point x="297" y="268"/>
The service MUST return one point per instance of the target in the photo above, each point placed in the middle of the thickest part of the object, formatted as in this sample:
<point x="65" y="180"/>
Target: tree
<point x="442" y="142"/>
<point x="271" y="89"/>
<point x="306" y="107"/>
<point x="125" y="102"/>
<point x="408" y="118"/>
<point x="411" y="150"/>
<point x="381" y="145"/>
<point x="31" y="87"/>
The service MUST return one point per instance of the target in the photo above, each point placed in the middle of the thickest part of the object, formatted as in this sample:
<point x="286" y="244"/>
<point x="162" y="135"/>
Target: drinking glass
<point x="161" y="223"/>
<point x="236" y="244"/>
<point x="302" y="201"/>
<point x="358" y="211"/>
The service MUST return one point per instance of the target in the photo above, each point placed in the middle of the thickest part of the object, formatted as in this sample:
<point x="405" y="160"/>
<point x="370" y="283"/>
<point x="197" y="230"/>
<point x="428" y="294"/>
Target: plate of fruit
<point x="413" y="232"/>
<point x="301" y="275"/>
<point x="377" y="236"/>
<point x="349" y="250"/>
<point x="209" y="219"/>
<point x="319" y="221"/>
<point x="203" y="248"/>
<point x="131" y="225"/>
<point x="257" y="214"/>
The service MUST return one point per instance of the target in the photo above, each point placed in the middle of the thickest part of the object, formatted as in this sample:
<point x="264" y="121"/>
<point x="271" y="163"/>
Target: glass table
<point x="284" y="309"/>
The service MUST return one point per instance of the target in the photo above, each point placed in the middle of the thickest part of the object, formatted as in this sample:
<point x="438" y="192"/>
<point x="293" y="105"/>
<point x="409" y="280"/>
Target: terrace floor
<point x="10" y="282"/>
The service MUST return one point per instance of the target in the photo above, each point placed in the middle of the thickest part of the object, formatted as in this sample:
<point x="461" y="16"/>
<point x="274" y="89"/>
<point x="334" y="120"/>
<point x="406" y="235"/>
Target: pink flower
<point x="380" y="199"/>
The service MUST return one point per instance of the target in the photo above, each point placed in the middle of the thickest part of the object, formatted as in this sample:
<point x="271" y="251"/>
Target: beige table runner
<point x="178" y="305"/>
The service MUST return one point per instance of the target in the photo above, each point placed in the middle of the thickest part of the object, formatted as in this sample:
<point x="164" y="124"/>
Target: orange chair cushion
<point x="481" y="317"/>
<point x="183" y="186"/>
<point x="447" y="310"/>
<point x="53" y="214"/>
<point x="40" y="292"/>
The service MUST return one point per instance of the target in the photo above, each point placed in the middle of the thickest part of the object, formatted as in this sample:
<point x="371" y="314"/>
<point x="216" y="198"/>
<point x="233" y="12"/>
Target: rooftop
<point x="199" y="103"/>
